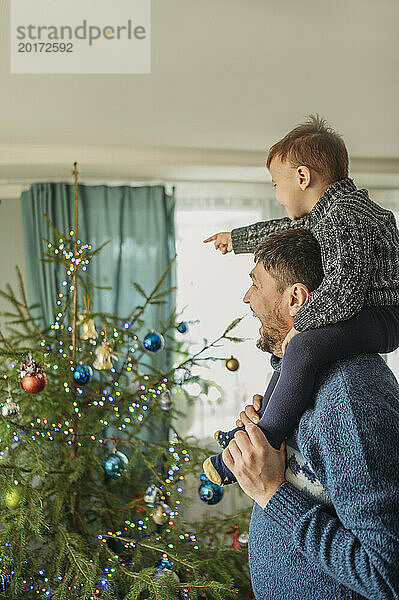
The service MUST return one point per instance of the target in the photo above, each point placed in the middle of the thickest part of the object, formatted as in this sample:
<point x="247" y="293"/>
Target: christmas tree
<point x="92" y="468"/>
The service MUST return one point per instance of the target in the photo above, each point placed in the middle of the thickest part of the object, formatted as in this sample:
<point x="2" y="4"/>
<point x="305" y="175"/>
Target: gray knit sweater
<point x="359" y="243"/>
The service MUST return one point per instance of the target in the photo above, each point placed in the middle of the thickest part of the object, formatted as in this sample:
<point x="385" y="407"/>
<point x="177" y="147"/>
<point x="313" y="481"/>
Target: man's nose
<point x="246" y="297"/>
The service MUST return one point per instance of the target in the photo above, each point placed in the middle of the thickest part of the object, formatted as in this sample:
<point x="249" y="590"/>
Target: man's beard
<point x="273" y="334"/>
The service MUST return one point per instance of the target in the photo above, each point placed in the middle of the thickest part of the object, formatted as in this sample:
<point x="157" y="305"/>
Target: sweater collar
<point x="337" y="190"/>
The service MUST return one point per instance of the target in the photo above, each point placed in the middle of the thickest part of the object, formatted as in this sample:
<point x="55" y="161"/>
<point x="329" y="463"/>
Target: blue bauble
<point x="163" y="564"/>
<point x="182" y="327"/>
<point x="82" y="374"/>
<point x="164" y="567"/>
<point x="104" y="583"/>
<point x="153" y="341"/>
<point x="115" y="464"/>
<point x="210" y="492"/>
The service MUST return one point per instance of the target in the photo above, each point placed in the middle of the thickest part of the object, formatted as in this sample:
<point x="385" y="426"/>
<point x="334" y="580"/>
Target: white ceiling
<point x="227" y="75"/>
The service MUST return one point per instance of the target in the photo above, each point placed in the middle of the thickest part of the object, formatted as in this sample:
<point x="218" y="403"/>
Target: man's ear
<point x="298" y="295"/>
<point x="303" y="177"/>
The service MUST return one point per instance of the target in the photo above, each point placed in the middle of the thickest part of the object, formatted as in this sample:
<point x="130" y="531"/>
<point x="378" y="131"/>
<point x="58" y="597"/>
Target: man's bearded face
<point x="266" y="304"/>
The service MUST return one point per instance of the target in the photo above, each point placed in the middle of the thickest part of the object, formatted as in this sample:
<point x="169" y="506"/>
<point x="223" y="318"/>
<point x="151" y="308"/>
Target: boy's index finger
<point x="210" y="239"/>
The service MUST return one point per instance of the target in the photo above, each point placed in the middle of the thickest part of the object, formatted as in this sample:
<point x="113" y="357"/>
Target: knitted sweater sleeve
<point x="245" y="239"/>
<point x="360" y="546"/>
<point x="346" y="242"/>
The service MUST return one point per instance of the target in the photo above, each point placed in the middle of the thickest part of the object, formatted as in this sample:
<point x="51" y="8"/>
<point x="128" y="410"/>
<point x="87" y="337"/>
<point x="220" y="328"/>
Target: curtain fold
<point x="139" y="224"/>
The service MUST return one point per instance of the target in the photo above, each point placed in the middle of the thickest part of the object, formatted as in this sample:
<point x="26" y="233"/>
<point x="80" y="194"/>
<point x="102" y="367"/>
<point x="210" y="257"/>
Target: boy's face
<point x="289" y="194"/>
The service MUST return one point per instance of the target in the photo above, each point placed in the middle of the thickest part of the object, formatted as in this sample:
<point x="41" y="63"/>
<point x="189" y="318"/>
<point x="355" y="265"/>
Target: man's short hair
<point x="291" y="256"/>
<point x="315" y="145"/>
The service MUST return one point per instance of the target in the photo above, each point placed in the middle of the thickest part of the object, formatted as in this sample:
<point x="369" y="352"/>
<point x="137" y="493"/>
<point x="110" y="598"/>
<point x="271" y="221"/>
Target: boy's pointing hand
<point x="222" y="241"/>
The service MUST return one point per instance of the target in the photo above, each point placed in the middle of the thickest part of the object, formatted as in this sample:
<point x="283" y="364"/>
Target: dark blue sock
<point x="226" y="475"/>
<point x="225" y="437"/>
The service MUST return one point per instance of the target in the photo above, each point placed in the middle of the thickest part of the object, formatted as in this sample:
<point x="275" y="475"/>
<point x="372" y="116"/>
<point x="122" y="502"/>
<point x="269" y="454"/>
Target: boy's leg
<point x="373" y="329"/>
<point x="224" y="437"/>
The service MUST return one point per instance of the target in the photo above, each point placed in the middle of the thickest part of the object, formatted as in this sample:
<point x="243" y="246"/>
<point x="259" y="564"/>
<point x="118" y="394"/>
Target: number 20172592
<point x="45" y="47"/>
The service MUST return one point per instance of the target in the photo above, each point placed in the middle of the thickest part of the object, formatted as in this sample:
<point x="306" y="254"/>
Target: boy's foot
<point x="217" y="472"/>
<point x="223" y="438"/>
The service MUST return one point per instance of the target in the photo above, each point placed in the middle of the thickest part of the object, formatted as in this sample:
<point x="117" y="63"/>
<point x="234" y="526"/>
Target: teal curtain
<point x="139" y="224"/>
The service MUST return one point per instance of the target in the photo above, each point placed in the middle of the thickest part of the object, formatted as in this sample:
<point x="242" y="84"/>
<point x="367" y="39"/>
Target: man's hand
<point x="258" y="467"/>
<point x="222" y="241"/>
<point x="249" y="414"/>
<point x="288" y="337"/>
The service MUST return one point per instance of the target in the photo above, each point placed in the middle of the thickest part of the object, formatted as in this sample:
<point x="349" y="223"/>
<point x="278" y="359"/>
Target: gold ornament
<point x="232" y="364"/>
<point x="88" y="329"/>
<point x="104" y="354"/>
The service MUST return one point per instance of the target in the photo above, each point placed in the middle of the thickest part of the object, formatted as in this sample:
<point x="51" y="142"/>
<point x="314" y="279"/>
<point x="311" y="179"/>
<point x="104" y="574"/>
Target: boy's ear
<point x="303" y="177"/>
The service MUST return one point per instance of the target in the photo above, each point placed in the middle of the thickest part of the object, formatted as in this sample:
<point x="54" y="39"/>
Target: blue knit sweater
<point x="331" y="532"/>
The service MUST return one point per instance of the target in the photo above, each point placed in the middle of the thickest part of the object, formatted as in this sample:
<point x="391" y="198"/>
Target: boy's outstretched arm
<point x="246" y="239"/>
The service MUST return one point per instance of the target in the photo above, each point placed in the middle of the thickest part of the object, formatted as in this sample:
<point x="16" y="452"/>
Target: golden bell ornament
<point x="232" y="364"/>
<point x="104" y="355"/>
<point x="87" y="327"/>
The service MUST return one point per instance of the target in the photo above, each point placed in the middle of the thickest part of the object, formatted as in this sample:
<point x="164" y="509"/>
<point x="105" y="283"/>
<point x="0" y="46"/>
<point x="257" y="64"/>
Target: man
<point x="327" y="526"/>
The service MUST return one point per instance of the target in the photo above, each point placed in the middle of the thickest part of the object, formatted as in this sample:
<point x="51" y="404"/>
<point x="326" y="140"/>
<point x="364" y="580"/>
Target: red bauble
<point x="33" y="377"/>
<point x="34" y="384"/>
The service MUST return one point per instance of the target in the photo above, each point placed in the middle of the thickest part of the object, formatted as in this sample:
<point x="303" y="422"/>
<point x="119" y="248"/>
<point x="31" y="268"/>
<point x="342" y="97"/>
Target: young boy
<point x="359" y="243"/>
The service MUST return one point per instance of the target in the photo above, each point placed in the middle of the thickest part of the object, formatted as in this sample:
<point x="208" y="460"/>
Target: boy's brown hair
<point x="316" y="145"/>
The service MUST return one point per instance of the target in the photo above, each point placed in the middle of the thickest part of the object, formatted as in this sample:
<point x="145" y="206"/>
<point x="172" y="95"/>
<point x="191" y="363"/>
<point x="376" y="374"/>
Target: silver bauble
<point x="10" y="409"/>
<point x="243" y="538"/>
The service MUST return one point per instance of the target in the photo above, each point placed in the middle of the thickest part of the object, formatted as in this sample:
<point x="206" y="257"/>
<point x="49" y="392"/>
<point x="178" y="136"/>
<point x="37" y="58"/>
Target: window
<point x="212" y="286"/>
